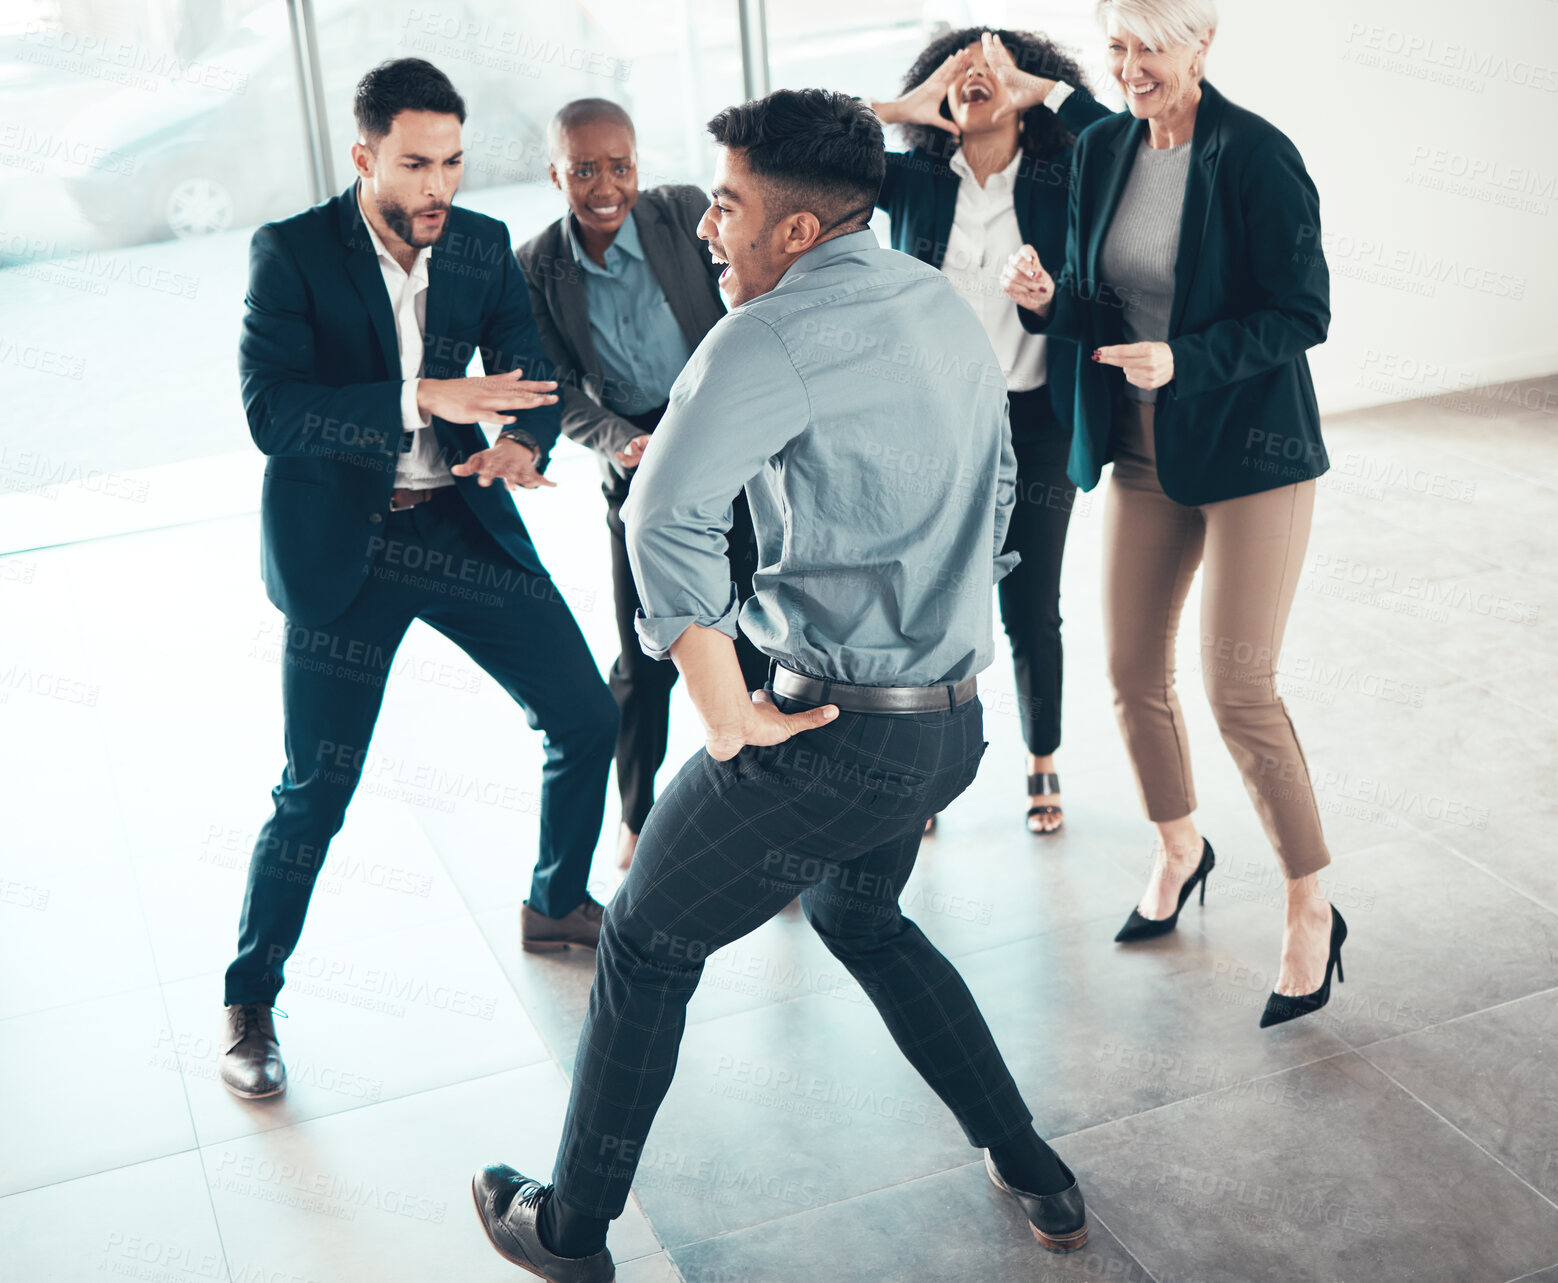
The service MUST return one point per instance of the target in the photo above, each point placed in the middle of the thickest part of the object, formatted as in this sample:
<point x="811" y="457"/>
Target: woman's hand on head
<point x="1022" y="89"/>
<point x="922" y="104"/>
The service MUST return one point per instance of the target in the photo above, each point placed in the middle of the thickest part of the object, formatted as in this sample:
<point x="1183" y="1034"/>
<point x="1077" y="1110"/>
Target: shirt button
<point x="375" y="517"/>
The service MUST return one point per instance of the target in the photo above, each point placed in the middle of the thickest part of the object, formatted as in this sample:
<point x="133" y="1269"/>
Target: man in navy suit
<point x="379" y="507"/>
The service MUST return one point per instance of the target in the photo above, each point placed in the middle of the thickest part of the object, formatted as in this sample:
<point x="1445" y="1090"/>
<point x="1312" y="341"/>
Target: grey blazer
<point x="667" y="219"/>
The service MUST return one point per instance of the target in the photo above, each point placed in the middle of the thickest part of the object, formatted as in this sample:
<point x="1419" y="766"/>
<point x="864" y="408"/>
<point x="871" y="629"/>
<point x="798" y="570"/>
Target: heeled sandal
<point x="1039" y="784"/>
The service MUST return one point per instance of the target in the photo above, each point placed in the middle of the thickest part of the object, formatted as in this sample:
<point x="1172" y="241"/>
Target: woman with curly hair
<point x="990" y="117"/>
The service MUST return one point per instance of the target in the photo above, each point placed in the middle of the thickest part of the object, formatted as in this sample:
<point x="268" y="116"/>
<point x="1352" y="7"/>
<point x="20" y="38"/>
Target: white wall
<point x="1431" y="131"/>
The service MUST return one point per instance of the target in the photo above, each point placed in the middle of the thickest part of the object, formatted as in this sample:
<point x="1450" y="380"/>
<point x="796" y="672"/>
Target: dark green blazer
<point x="920" y="196"/>
<point x="319" y="369"/>
<point x="1251" y="296"/>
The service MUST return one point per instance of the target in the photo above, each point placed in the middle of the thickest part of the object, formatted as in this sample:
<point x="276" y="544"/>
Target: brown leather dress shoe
<point x="251" y="1056"/>
<point x="541" y="934"/>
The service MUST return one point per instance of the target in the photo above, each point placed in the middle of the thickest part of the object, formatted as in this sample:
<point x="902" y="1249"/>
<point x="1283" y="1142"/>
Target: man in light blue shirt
<point x="861" y="405"/>
<point x="856" y="398"/>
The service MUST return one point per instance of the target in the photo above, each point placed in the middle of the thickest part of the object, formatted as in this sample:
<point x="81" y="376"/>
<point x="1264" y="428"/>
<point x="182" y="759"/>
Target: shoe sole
<point x="254" y="1095"/>
<point x="552" y="946"/>
<point x="1059" y="1244"/>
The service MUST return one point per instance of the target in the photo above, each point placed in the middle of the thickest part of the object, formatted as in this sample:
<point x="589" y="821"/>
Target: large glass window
<point x="670" y="64"/>
<point x="141" y="141"/>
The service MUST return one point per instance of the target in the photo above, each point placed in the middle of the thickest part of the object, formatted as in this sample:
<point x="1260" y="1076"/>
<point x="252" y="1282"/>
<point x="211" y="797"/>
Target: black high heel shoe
<point x="1139" y="928"/>
<point x="1282" y="1007"/>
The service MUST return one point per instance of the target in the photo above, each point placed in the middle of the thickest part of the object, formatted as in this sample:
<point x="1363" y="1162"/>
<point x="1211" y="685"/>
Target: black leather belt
<point x="402" y="499"/>
<point x="873" y="699"/>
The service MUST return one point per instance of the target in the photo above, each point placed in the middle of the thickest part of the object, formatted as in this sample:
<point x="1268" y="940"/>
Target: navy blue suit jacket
<point x="1251" y="295"/>
<point x="319" y="370"/>
<point x="920" y="194"/>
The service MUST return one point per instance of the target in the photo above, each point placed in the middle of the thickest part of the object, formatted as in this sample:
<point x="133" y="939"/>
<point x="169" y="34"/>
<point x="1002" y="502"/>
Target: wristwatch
<point x="520" y="436"/>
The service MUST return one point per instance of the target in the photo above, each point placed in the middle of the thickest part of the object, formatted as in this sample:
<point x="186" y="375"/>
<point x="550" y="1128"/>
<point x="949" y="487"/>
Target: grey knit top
<point x="1142" y="242"/>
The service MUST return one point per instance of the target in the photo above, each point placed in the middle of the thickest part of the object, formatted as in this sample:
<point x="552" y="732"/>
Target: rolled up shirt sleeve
<point x="738" y="402"/>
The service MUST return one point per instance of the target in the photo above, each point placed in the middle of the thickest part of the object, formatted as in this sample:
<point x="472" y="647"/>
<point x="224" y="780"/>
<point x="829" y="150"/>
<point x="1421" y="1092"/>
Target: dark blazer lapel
<point x="362" y="266"/>
<point x="1204" y="149"/>
<point x="565" y="296"/>
<point x="1123" y="155"/>
<point x="945" y="184"/>
<point x="660" y="250"/>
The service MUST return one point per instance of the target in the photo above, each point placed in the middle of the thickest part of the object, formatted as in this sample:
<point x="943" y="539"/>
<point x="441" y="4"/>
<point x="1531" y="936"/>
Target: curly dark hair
<point x="1042" y="133"/>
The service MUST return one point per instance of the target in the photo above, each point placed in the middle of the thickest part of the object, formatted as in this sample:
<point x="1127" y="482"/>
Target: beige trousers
<point x="1253" y="549"/>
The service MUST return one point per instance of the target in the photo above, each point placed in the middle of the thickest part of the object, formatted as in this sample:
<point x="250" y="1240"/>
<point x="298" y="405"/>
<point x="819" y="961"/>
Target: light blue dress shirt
<point x="636" y="335"/>
<point x="863" y="409"/>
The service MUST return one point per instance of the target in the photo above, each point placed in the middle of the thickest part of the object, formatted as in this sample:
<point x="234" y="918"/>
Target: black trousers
<point x="1030" y="595"/>
<point x="437" y="563"/>
<point x="835" y="814"/>
<point x="642" y="686"/>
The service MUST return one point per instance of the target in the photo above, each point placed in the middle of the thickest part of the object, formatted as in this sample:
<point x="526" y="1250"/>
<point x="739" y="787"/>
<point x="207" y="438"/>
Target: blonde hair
<point x="1163" y="24"/>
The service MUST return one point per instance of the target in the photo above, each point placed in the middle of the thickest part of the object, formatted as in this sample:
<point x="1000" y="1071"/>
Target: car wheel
<point x="197" y="206"/>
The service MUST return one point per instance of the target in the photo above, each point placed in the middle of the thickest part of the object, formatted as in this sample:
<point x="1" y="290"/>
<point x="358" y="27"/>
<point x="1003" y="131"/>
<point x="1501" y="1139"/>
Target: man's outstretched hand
<point x="507" y="461"/>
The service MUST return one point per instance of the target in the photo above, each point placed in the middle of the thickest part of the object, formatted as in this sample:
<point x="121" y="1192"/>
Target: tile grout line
<point x="1147" y="1275"/>
<point x="1465" y="1015"/>
<point x="556" y="1060"/>
<point x="162" y="997"/>
<point x="1434" y="837"/>
<point x="1345" y="1050"/>
<point x="1470" y="1140"/>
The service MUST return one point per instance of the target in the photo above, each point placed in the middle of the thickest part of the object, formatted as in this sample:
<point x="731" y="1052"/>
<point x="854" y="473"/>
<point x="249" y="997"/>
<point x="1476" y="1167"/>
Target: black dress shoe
<point x="1059" y="1220"/>
<point x="1282" y="1007"/>
<point x="251" y="1064"/>
<point x="508" y="1205"/>
<point x="1139" y="928"/>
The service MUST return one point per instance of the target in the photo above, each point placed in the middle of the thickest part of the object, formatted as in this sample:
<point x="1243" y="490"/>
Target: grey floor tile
<point x="384" y="1192"/>
<point x="1095" y="1031"/>
<point x="784" y="1108"/>
<point x="149" y="1220"/>
<point x="659" y="1268"/>
<point x="45" y="904"/>
<point x="1332" y="1173"/>
<point x="1430" y="937"/>
<point x="1516" y="844"/>
<point x="1491" y="1075"/>
<point x="954" y="1227"/>
<point x="378" y="1018"/>
<point x="89" y="1090"/>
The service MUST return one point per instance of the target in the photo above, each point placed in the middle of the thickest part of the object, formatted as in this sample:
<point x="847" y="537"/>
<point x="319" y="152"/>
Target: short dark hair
<point x="1042" y="133"/>
<point x="585" y="111"/>
<point x="812" y="149"/>
<point x="402" y="84"/>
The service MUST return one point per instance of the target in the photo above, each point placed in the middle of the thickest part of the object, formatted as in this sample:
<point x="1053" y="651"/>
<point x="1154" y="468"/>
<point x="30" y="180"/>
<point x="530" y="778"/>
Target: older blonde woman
<point x="1193" y="286"/>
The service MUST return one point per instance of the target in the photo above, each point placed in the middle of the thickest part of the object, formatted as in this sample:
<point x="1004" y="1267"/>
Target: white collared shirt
<point x="422" y="467"/>
<point x="984" y="235"/>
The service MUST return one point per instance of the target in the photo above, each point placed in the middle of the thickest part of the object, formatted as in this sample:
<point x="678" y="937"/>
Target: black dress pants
<point x="1030" y="596"/>
<point x="835" y="814"/>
